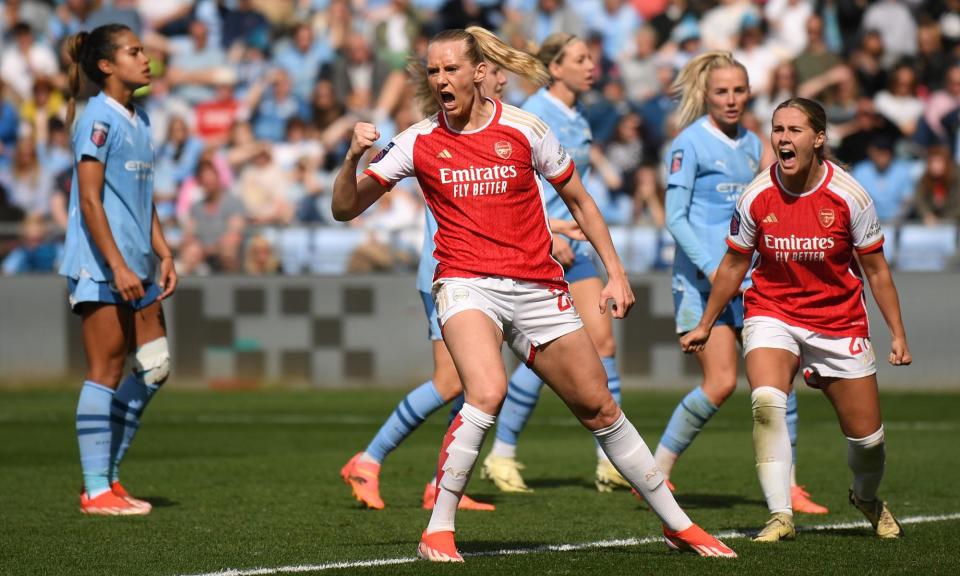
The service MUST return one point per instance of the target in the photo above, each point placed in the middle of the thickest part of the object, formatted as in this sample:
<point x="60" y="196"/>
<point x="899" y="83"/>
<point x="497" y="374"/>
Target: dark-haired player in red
<point x="811" y="223"/>
<point x="477" y="162"/>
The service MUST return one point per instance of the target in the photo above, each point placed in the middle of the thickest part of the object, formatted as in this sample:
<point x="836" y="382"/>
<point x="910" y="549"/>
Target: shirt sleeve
<point x="394" y="162"/>
<point x="743" y="229"/>
<point x="865" y="231"/>
<point x="94" y="137"/>
<point x="681" y="164"/>
<point x="551" y="160"/>
<point x="678" y="208"/>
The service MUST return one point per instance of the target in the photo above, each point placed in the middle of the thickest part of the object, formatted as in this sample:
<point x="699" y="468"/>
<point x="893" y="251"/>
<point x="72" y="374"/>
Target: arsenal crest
<point x="99" y="133"/>
<point x="503" y="149"/>
<point x="826" y="217"/>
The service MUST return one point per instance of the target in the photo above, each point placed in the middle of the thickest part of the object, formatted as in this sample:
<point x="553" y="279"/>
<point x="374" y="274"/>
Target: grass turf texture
<point x="246" y="480"/>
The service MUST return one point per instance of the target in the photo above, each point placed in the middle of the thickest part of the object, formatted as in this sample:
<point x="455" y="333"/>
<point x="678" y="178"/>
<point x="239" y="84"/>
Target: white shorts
<point x="528" y="314"/>
<point x="819" y="354"/>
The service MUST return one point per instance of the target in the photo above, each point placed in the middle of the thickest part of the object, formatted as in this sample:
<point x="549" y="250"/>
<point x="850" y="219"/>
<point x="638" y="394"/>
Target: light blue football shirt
<point x="573" y="132"/>
<point x="428" y="264"/>
<point x="108" y="133"/>
<point x="706" y="172"/>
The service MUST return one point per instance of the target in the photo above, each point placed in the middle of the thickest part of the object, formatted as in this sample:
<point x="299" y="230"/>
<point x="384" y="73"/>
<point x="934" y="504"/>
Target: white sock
<point x="771" y="442"/>
<point x="458" y="454"/>
<point x="630" y="455"/>
<point x="503" y="449"/>
<point x="665" y="458"/>
<point x="866" y="458"/>
<point x="366" y="457"/>
<point x="793" y="475"/>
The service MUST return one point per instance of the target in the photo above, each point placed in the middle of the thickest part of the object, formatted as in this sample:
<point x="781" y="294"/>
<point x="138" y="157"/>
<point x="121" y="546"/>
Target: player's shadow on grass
<point x="694" y="501"/>
<point x="161" y="502"/>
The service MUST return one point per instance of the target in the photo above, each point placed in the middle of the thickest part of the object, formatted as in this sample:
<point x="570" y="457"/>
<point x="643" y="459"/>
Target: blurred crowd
<point x="253" y="104"/>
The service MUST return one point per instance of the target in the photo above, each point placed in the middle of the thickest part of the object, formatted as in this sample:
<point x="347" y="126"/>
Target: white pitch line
<point x="727" y="535"/>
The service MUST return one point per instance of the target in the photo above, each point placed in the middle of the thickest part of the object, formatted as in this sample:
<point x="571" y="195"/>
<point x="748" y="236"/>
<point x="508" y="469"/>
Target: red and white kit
<point x="806" y="276"/>
<point x="482" y="187"/>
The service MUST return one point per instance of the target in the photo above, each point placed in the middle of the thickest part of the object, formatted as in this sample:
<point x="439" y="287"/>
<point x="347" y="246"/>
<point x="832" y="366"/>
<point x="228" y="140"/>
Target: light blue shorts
<point x="433" y="323"/>
<point x="689" y="305"/>
<point x="581" y="269"/>
<point x="89" y="290"/>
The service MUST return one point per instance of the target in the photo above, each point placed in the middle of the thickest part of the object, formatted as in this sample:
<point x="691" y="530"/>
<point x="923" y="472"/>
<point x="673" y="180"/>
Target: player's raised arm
<point x="352" y="195"/>
<point x="588" y="217"/>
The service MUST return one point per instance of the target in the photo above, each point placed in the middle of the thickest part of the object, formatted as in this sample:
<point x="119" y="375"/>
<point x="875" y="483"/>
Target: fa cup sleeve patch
<point x="99" y="133"/>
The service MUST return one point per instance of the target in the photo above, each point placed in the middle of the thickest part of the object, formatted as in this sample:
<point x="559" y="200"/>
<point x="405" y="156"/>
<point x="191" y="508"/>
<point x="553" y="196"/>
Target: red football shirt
<point x="806" y="275"/>
<point x="483" y="189"/>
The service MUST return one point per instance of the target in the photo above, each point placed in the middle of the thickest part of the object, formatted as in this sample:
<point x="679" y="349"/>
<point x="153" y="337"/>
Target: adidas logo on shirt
<point x="771" y="218"/>
<point x="444" y="154"/>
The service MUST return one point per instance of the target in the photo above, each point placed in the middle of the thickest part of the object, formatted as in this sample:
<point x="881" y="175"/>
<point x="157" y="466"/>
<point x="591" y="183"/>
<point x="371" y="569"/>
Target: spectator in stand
<point x="263" y="187"/>
<point x="71" y="16"/>
<point x="36" y="253"/>
<point x="195" y="64"/>
<point x="259" y="259"/>
<point x="245" y="25"/>
<point x="214" y="118"/>
<point x="614" y="20"/>
<point x="9" y="127"/>
<point x="866" y="126"/>
<point x="28" y="186"/>
<point x="24" y="60"/>
<point x="44" y="104"/>
<point x="656" y="110"/>
<point x="785" y="22"/>
<point x="302" y="59"/>
<point x="932" y="60"/>
<point x="783" y="86"/>
<point x="638" y="67"/>
<point x="754" y="54"/>
<point x="867" y="61"/>
<point x="396" y="32"/>
<point x="816" y="59"/>
<point x="938" y="192"/>
<point x="549" y="16"/>
<point x="939" y="105"/>
<point x="54" y="150"/>
<point x="273" y="104"/>
<point x="896" y="25"/>
<point x="9" y="214"/>
<point x="359" y="77"/>
<point x="217" y="222"/>
<point x="887" y="179"/>
<point x="900" y="103"/>
<point x="175" y="161"/>
<point x="722" y="23"/>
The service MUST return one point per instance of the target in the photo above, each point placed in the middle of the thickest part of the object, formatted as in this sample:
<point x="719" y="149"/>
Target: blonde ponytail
<point x="691" y="84"/>
<point x="493" y="49"/>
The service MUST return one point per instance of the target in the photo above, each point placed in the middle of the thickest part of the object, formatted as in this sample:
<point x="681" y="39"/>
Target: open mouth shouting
<point x="788" y="157"/>
<point x="447" y="100"/>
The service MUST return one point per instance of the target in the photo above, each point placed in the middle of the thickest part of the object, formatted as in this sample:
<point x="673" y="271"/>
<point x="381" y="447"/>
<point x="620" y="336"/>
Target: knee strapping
<point x="769" y="404"/>
<point x="152" y="361"/>
<point x="867" y="442"/>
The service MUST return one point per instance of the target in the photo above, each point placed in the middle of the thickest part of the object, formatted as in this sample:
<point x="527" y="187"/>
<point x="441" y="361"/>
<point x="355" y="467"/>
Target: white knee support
<point x="771" y="443"/>
<point x="152" y="361"/>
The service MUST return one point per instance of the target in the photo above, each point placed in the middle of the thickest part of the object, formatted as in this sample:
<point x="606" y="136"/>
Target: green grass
<point x="244" y="480"/>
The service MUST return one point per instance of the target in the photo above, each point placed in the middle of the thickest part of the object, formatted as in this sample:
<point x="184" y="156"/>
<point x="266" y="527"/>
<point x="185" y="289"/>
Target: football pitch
<point x="247" y="483"/>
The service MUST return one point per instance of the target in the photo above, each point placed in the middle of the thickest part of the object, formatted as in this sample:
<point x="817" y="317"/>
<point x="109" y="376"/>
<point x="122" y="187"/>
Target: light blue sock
<point x="94" y="436"/>
<point x="129" y="402"/>
<point x="523" y="391"/>
<point x="410" y="413"/>
<point x="613" y="384"/>
<point x="792" y="418"/>
<point x="613" y="376"/>
<point x="688" y="419"/>
<point x="455" y="405"/>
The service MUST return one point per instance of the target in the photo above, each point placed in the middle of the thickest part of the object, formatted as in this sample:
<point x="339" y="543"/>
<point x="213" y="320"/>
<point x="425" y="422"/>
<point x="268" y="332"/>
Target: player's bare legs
<point x="857" y="404"/>
<point x="571" y="367"/>
<point x="445" y="377"/>
<point x="474" y="341"/>
<point x="771" y="372"/>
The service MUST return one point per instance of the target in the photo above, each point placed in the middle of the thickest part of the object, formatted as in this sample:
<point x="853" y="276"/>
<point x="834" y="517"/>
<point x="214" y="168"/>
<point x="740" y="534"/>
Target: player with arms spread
<point x="113" y="243"/>
<point x="477" y="162"/>
<point x="709" y="164"/>
<point x="811" y="223"/>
